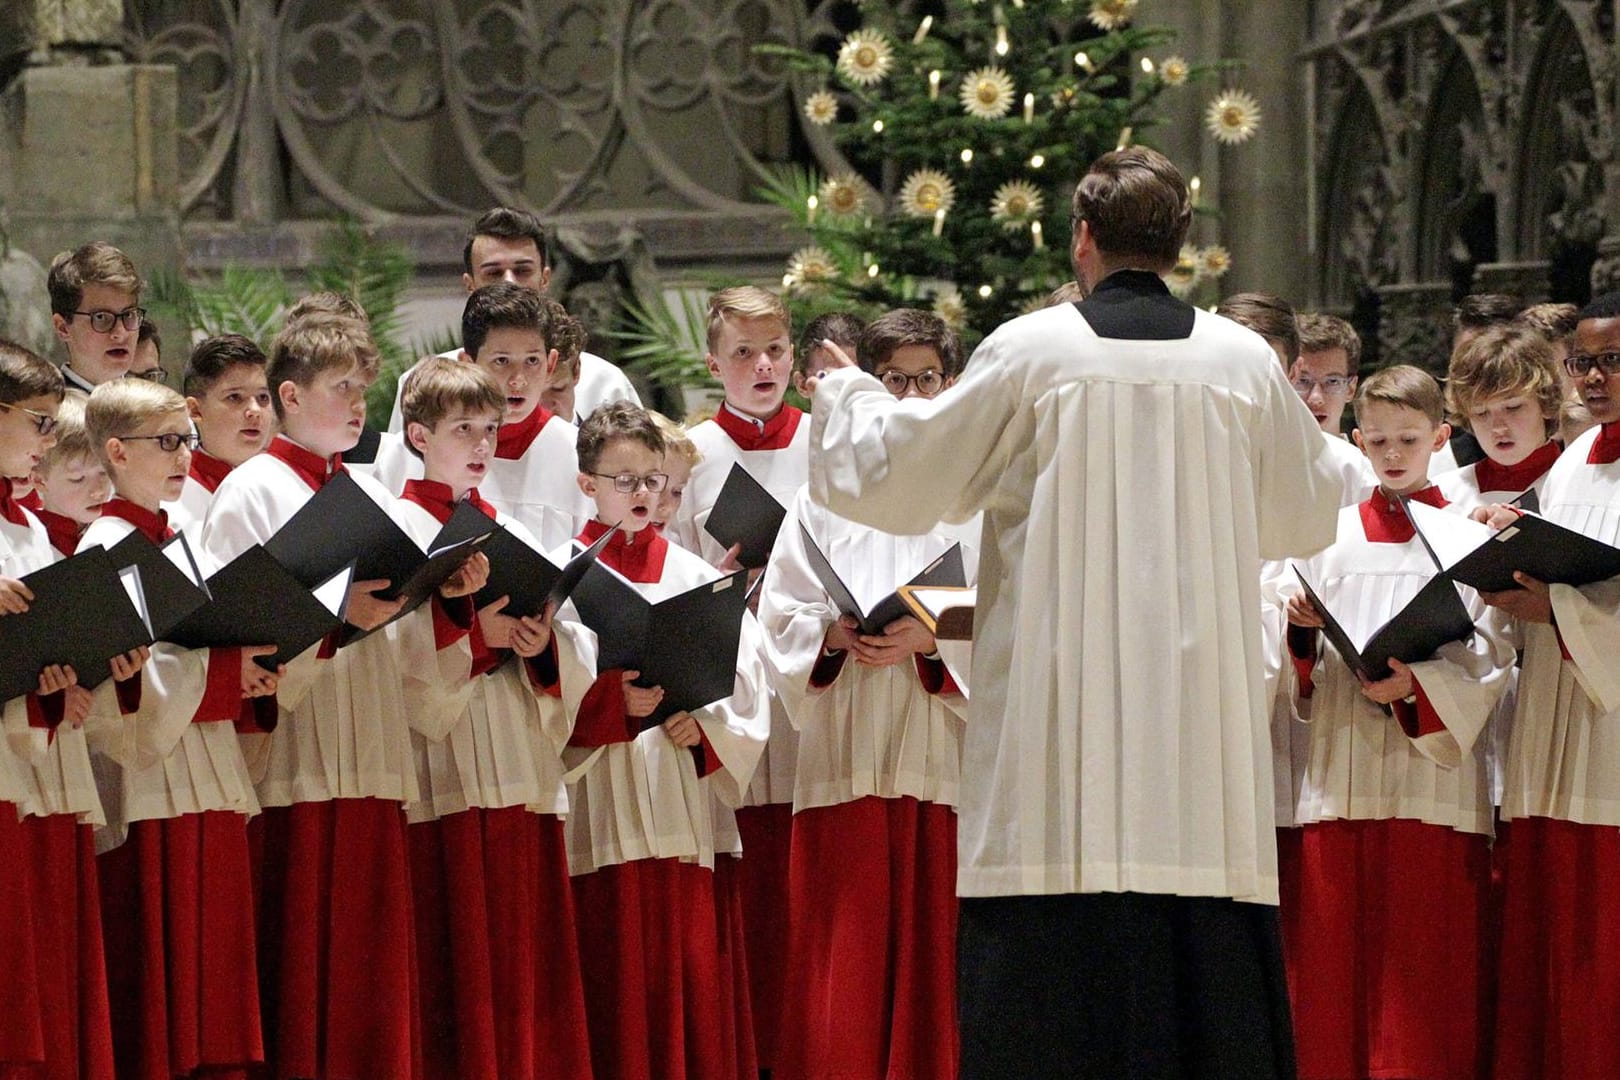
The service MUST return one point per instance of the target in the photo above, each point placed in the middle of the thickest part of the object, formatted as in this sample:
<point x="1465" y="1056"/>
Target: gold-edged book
<point x="946" y="611"/>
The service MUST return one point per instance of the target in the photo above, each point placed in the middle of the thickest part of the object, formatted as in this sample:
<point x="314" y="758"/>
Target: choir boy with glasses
<point x="1559" y="976"/>
<point x="750" y="343"/>
<point x="148" y="360"/>
<point x="58" y="1021"/>
<point x="641" y="839"/>
<point x="179" y="939"/>
<point x="872" y="869"/>
<point x="95" y="307"/>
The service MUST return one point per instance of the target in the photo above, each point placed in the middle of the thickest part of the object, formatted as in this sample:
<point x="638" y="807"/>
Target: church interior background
<point x="1413" y="150"/>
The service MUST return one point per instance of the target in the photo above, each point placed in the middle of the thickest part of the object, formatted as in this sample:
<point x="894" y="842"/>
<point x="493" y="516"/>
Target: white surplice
<point x="1117" y="737"/>
<point x="1563" y="755"/>
<point x="874" y="730"/>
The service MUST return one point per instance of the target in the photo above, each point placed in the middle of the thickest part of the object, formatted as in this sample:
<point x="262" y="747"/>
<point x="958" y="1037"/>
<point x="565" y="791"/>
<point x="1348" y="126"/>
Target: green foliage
<point x="1077" y="109"/>
<point x="666" y="348"/>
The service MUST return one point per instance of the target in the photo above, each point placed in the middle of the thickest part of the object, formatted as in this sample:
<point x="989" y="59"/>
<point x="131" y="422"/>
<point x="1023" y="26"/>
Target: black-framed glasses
<point x="1580" y="364"/>
<point x="44" y="423"/>
<point x="102" y="321"/>
<point x="928" y="382"/>
<point x="1332" y="386"/>
<point x="627" y="483"/>
<point x="170" y="441"/>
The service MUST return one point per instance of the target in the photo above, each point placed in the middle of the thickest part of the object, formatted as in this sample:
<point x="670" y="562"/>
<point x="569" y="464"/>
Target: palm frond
<point x="664" y="345"/>
<point x="244" y="300"/>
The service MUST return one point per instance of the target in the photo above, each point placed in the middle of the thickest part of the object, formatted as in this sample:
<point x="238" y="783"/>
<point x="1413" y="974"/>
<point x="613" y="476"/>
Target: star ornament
<point x="1214" y="261"/>
<point x="821" y="108"/>
<point x="810" y="269"/>
<point x="950" y="308"/>
<point x="1175" y="70"/>
<point x="1015" y="204"/>
<point x="926" y="192"/>
<point x="1233" y="117"/>
<point x="1111" y="14"/>
<point x="987" y="93"/>
<point x="842" y="196"/>
<point x="1184" y="275"/>
<point x="865" y="57"/>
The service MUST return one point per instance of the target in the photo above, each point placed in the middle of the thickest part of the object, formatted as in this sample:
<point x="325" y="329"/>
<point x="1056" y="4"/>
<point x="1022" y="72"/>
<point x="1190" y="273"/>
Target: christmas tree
<point x="964" y="131"/>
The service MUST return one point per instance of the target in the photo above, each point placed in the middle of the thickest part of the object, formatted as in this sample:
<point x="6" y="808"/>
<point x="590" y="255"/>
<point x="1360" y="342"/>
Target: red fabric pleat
<point x="67" y="940"/>
<point x="736" y="1004"/>
<point x="337" y="962"/>
<point x="22" y="1037"/>
<point x="1558" y="972"/>
<point x="872" y="944"/>
<point x="651" y="964"/>
<point x="763" y="878"/>
<point x="177" y="912"/>
<point x="1383" y="926"/>
<point x="501" y="992"/>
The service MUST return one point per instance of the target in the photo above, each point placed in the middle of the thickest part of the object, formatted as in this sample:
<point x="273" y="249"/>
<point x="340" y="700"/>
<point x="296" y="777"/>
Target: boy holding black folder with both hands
<point x="55" y="993"/>
<point x="337" y="980"/>
<point x="640" y="833"/>
<point x="1384" y="884"/>
<point x="872" y="873"/>
<point x="494" y="912"/>
<point x="1559" y="975"/>
<point x="179" y="941"/>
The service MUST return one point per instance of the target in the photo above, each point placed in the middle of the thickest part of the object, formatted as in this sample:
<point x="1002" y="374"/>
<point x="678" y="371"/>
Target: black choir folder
<point x="745" y="513"/>
<point x="1434" y="617"/>
<point x="83" y="614"/>
<point x="169" y="586"/>
<point x="686" y="644"/>
<point x="1476" y="555"/>
<point x="257" y="601"/>
<point x="341" y="525"/>
<point x="516" y="570"/>
<point x="944" y="572"/>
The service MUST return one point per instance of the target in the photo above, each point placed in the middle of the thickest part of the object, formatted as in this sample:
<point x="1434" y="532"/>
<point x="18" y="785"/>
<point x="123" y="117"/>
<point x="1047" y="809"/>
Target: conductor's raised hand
<point x="1530" y="602"/>
<point x="682" y="729"/>
<point x="1301" y="612"/>
<point x="258" y="681"/>
<point x="14" y="596"/>
<point x="639" y="701"/>
<point x="56" y="678"/>
<point x="837" y="359"/>
<point x="125" y="666"/>
<point x="366" y="610"/>
<point x="468" y="578"/>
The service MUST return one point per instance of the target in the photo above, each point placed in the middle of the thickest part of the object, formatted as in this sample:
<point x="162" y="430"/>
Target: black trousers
<point x="1122" y="986"/>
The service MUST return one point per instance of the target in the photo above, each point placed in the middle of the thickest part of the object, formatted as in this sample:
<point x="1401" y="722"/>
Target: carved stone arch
<point x="1559" y="185"/>
<point x="1359" y="250"/>
<point x="1455" y="203"/>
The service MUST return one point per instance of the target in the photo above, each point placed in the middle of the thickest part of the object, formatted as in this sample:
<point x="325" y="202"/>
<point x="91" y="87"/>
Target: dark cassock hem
<point x="1122" y="985"/>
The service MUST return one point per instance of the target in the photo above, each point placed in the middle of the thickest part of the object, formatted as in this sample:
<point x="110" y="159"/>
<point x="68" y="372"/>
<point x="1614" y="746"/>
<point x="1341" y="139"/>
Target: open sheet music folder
<point x="686" y="644"/>
<point x="745" y="513"/>
<point x="945" y="571"/>
<point x="82" y="615"/>
<point x="170" y="586"/>
<point x="517" y="571"/>
<point x="1485" y="559"/>
<point x="257" y="601"/>
<point x="1434" y="617"/>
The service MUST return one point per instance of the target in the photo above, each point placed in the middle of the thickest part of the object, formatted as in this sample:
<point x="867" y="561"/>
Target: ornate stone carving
<point x="1414" y="325"/>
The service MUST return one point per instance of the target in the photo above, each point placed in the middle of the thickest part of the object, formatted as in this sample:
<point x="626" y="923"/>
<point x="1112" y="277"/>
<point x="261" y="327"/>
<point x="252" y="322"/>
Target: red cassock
<point x="22" y="1036"/>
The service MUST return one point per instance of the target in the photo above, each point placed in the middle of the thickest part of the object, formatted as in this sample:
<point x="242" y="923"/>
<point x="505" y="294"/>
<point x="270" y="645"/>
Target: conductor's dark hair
<point x="1135" y="202"/>
<point x="215" y="356"/>
<point x="1606" y="306"/>
<point x="505" y="223"/>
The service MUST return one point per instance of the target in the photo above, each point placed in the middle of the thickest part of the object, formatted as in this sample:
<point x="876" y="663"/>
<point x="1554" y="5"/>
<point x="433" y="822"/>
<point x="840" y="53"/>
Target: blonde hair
<point x="1510" y="358"/>
<point x="1403" y="385"/>
<point x="438" y="387"/>
<point x="316" y="342"/>
<point x="676" y="441"/>
<point x="745" y="302"/>
<point x="117" y="408"/>
<point x="72" y="438"/>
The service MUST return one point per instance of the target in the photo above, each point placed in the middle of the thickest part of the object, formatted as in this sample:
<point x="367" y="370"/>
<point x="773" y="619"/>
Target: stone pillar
<point x="44" y="30"/>
<point x="1606" y="270"/>
<point x="91" y="152"/>
<point x="1526" y="280"/>
<point x="1414" y="325"/>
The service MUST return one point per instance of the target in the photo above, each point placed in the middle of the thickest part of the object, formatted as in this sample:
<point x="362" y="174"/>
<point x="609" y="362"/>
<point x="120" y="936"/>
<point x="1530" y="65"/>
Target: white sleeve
<point x="1463" y="681"/>
<point x="738" y="726"/>
<point x="438" y="683"/>
<point x="1299" y="484"/>
<point x="173" y="682"/>
<point x="1588" y="620"/>
<point x="794" y="614"/>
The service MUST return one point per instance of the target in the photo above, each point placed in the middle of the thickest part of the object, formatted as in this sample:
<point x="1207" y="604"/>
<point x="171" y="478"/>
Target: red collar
<point x="750" y="434"/>
<point x="1606" y="447"/>
<point x="638" y="556"/>
<point x="436" y="499"/>
<point x="208" y="470"/>
<point x="311" y="468"/>
<point x="10" y="508"/>
<point x="514" y="440"/>
<point x="1493" y="477"/>
<point x="32" y="501"/>
<point x="1386" y="523"/>
<point x="64" y="531"/>
<point x="153" y="525"/>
